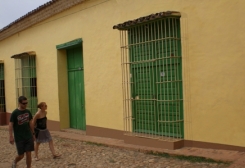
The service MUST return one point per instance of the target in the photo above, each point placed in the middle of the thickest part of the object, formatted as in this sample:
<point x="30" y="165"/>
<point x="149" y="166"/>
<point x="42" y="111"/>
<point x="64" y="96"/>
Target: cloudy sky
<point x="10" y="10"/>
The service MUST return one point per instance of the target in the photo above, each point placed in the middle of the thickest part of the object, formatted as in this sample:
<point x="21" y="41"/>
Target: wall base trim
<point x="155" y="143"/>
<point x="130" y="139"/>
<point x="103" y="132"/>
<point x="53" y="125"/>
<point x="2" y="118"/>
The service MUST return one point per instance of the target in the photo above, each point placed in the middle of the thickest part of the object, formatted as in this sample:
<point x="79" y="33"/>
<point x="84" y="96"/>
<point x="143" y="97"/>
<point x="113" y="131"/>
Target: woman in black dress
<point x="41" y="131"/>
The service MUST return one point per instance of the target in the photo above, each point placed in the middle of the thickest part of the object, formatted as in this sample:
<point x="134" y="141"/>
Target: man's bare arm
<point x="11" y="137"/>
<point x="31" y="126"/>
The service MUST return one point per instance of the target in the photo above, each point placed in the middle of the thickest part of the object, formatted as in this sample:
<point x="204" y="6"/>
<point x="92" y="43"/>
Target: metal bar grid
<point x="26" y="81"/>
<point x="2" y="89"/>
<point x="152" y="80"/>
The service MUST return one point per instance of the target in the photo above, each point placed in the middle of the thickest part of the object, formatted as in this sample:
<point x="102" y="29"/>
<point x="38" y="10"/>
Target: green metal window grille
<point x="2" y="89"/>
<point x="152" y="79"/>
<point x="26" y="80"/>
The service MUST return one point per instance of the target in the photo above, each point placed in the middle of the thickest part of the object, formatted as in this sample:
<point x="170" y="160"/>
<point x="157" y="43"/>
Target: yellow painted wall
<point x="213" y="38"/>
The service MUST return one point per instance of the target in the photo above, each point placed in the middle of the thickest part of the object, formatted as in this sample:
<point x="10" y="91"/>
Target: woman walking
<point x="41" y="131"/>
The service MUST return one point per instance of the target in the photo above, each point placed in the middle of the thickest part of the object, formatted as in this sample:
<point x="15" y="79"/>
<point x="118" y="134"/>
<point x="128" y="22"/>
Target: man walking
<point x="24" y="136"/>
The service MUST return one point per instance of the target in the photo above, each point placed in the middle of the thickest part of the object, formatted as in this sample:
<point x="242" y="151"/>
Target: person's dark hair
<point x="21" y="98"/>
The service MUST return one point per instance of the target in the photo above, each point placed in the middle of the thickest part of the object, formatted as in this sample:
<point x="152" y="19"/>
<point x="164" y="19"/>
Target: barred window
<point x="2" y="88"/>
<point x="26" y="80"/>
<point x="152" y="76"/>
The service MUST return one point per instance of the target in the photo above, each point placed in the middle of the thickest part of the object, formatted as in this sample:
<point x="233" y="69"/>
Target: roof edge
<point x="28" y="14"/>
<point x="38" y="15"/>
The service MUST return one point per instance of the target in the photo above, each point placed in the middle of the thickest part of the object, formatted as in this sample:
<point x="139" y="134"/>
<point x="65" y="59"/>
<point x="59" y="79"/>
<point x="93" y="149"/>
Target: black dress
<point x="42" y="133"/>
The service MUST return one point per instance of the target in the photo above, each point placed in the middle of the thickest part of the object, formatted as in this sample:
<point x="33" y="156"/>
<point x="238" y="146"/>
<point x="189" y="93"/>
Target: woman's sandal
<point x="56" y="156"/>
<point x="36" y="159"/>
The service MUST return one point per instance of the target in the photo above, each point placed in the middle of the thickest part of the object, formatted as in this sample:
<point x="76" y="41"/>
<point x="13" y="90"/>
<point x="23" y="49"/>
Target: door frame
<point x="63" y="94"/>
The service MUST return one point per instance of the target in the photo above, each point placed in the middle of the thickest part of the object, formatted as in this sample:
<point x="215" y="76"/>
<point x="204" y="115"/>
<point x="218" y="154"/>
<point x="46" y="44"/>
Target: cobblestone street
<point x="78" y="154"/>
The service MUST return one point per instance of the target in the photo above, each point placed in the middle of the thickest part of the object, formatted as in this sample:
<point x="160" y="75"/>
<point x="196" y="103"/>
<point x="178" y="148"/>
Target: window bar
<point x="132" y="71"/>
<point x="126" y="80"/>
<point x="148" y="57"/>
<point x="163" y="28"/>
<point x="172" y="111"/>
<point x="146" y="30"/>
<point x="168" y="77"/>
<point x="33" y="86"/>
<point x="132" y="120"/>
<point x="161" y="77"/>
<point x="130" y="95"/>
<point x="136" y="82"/>
<point x="154" y="68"/>
<point x="157" y="78"/>
<point x="123" y="78"/>
<point x="159" y="91"/>
<point x="148" y="80"/>
<point x="171" y="76"/>
<point x="156" y="53"/>
<point x="140" y="77"/>
<point x="30" y="84"/>
<point x="127" y="94"/>
<point x="128" y="71"/>
<point x="175" y="65"/>
<point x="145" y="79"/>
<point x="176" y="84"/>
<point x="123" y="82"/>
<point x="138" y="94"/>
<point x="178" y="75"/>
<point x="140" y="72"/>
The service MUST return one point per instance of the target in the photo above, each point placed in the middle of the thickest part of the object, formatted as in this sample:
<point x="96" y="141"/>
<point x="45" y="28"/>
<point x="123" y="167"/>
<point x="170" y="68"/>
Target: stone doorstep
<point x="238" y="158"/>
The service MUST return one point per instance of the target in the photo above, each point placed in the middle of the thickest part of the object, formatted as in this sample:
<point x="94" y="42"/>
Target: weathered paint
<point x="213" y="38"/>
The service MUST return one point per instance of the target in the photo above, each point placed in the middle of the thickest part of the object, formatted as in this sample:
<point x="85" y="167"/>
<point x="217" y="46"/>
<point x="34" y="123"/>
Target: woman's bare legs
<point x="36" y="150"/>
<point x="51" y="146"/>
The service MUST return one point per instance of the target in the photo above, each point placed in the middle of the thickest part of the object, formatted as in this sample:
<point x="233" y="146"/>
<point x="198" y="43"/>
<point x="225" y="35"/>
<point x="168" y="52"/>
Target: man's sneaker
<point x="13" y="165"/>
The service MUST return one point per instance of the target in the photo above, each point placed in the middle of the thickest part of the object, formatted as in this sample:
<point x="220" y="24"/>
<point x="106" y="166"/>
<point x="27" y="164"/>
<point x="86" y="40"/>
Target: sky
<point x="10" y="10"/>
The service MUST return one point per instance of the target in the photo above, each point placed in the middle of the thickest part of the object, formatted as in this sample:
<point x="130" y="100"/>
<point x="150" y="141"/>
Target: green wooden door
<point x="76" y="88"/>
<point x="156" y="78"/>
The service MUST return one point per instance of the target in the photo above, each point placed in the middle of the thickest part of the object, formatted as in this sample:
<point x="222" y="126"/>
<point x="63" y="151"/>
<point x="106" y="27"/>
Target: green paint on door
<point x="156" y="78"/>
<point x="76" y="88"/>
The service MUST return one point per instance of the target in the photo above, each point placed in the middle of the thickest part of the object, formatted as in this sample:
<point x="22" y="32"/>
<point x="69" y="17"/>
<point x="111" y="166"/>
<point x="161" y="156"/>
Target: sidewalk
<point x="238" y="158"/>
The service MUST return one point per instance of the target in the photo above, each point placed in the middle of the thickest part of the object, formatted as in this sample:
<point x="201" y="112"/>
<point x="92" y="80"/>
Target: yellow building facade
<point x="208" y="38"/>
